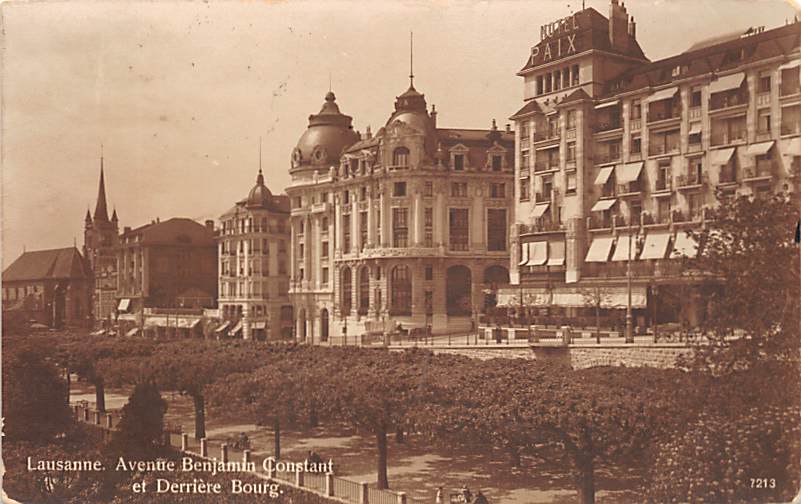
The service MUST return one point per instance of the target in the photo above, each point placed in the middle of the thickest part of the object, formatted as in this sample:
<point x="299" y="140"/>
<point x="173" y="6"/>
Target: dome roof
<point x="329" y="132"/>
<point x="260" y="195"/>
<point x="410" y="107"/>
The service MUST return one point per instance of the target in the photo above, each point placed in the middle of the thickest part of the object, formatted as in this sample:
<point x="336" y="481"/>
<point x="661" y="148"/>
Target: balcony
<point x="687" y="181"/>
<point x="661" y="149"/>
<point x="602" y="126"/>
<point x="542" y="225"/>
<point x="726" y="138"/>
<point x="728" y="101"/>
<point x="525" y="142"/>
<point x="599" y="222"/>
<point x="546" y="167"/>
<point x="546" y="136"/>
<point x="727" y="176"/>
<point x="762" y="171"/>
<point x="763" y="99"/>
<point x="570" y="133"/>
<point x="662" y="184"/>
<point x="629" y="189"/>
<point x="319" y="207"/>
<point x="654" y="220"/>
<point x="663" y="115"/>
<point x="695" y="112"/>
<point x="607" y="157"/>
<point x="791" y="128"/>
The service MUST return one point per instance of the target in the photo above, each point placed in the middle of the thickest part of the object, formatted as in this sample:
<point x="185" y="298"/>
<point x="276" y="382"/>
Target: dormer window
<point x="497" y="162"/>
<point x="458" y="162"/>
<point x="400" y="157"/>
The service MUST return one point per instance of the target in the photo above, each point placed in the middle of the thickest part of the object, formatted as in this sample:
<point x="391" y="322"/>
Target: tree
<point x="597" y="297"/>
<point x="35" y="404"/>
<point x="748" y="246"/>
<point x="140" y="431"/>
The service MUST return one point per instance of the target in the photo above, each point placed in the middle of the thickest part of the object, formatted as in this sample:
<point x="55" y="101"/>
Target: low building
<point x="618" y="157"/>
<point x="405" y="227"/>
<point x="51" y="287"/>
<point x="253" y="250"/>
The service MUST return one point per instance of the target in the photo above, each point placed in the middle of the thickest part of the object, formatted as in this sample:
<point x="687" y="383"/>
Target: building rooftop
<point x="178" y="230"/>
<point x="54" y="264"/>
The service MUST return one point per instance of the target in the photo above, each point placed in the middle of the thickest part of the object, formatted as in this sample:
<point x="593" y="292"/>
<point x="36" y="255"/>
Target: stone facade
<point x="405" y="227"/>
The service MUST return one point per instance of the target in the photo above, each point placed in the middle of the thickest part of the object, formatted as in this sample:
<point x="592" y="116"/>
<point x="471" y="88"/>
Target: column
<point x="419" y="218"/>
<point x="477" y="227"/>
<point x="440" y="219"/>
<point x="371" y="221"/>
<point x="336" y="242"/>
<point x="386" y="218"/>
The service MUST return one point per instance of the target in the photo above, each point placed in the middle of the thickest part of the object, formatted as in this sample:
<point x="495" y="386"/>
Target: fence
<point x="324" y="485"/>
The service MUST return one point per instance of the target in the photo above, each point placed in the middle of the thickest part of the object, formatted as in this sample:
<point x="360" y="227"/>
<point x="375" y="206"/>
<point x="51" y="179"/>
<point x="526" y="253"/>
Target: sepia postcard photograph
<point x="400" y="251"/>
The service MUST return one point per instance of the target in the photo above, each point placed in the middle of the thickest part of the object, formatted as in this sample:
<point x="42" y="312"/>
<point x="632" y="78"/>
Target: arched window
<point x="400" y="157"/>
<point x="347" y="290"/>
<point x="401" y="291"/>
<point x="364" y="290"/>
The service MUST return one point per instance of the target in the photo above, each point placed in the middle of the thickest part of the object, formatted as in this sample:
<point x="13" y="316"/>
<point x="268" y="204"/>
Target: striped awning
<point x="622" y="249"/>
<point x="656" y="245"/>
<point x="603" y="175"/>
<point x="726" y="83"/>
<point x="538" y="253"/>
<point x="599" y="249"/>
<point x="684" y="246"/>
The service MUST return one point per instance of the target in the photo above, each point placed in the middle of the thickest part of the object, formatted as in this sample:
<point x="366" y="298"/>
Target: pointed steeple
<point x="114" y="216"/>
<point x="88" y="219"/>
<point x="101" y="210"/>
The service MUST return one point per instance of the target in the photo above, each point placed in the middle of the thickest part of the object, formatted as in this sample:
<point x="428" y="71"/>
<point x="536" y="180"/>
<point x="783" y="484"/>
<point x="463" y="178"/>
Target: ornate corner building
<point x="253" y="241"/>
<point x="408" y="226"/>
<point x="616" y="157"/>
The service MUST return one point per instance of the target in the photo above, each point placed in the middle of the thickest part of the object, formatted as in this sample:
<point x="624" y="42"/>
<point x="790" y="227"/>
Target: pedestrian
<point x="467" y="495"/>
<point x="438" y="499"/>
<point x="480" y="499"/>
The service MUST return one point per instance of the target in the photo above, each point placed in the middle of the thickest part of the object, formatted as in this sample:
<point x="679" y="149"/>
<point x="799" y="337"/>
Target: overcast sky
<point x="179" y="93"/>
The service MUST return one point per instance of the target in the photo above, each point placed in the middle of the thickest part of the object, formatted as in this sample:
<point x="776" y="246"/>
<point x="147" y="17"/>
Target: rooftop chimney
<point x="632" y="28"/>
<point x="209" y="224"/>
<point x="618" y="26"/>
<point x="508" y="128"/>
<point x="434" y="115"/>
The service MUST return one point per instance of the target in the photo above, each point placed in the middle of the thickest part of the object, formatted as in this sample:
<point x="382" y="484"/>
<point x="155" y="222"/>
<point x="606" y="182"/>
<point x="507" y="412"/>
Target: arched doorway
<point x="346" y="299"/>
<point x="324" y="325"/>
<point x="458" y="291"/>
<point x="401" y="291"/>
<point x="495" y="277"/>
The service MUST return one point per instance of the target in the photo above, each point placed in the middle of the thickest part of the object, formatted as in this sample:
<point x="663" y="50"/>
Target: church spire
<point x="101" y="210"/>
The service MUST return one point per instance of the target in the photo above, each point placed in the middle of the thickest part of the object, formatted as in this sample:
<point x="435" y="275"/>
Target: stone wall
<point x="658" y="355"/>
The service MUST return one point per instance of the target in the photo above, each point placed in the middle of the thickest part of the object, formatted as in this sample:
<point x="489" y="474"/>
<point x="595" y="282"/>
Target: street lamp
<point x="629" y="321"/>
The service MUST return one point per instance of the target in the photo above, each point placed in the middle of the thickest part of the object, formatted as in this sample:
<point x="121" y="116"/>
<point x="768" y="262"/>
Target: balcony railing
<point x="599" y="222"/>
<point x="763" y="98"/>
<point x="695" y="112"/>
<point x="763" y="169"/>
<point x="635" y="124"/>
<point x="541" y="167"/>
<point x="793" y="128"/>
<point x="662" y="115"/>
<point x="728" y="101"/>
<point x="654" y="220"/>
<point x="728" y="176"/>
<point x="607" y="157"/>
<point x="687" y="180"/>
<point x="608" y="191"/>
<point x="524" y="142"/>
<point x="662" y="184"/>
<point x="629" y="188"/>
<point x="658" y="149"/>
<point x="607" y="126"/>
<point x="727" y="138"/>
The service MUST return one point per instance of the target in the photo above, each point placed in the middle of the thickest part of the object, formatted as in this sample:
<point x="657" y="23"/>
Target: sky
<point x="179" y="93"/>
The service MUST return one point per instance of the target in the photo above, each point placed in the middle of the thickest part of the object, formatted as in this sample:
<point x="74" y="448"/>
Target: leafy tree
<point x="35" y="403"/>
<point x="140" y="431"/>
<point x="749" y="248"/>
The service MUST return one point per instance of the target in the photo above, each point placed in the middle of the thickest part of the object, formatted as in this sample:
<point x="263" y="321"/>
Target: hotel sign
<point x="557" y="39"/>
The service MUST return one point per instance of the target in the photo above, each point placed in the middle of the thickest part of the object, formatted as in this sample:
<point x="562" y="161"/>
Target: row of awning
<point x="181" y="323"/>
<point x="542" y="253"/>
<point x="719" y="85"/>
<point x="624" y="173"/>
<point x="656" y="246"/>
<point x="607" y="297"/>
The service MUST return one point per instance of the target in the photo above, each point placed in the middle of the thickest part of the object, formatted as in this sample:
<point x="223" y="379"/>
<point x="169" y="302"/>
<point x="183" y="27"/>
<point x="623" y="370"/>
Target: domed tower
<point x="259" y="196"/>
<point x="321" y="145"/>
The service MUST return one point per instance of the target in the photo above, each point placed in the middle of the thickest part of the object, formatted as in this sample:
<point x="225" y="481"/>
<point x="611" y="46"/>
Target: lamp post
<point x="629" y="321"/>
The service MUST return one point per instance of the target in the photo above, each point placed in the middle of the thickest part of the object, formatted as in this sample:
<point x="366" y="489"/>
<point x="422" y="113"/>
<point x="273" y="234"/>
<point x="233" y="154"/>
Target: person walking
<point x="439" y="497"/>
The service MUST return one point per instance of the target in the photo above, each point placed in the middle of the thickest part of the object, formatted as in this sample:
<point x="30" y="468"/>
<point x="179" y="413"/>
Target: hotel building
<point x="407" y="226"/>
<point x="617" y="157"/>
